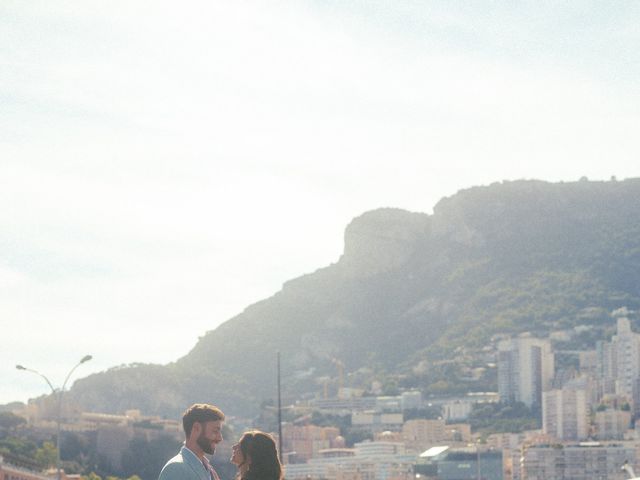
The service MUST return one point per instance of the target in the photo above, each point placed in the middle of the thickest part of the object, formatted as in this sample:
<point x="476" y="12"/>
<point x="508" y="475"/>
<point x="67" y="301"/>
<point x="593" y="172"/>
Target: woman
<point x="256" y="457"/>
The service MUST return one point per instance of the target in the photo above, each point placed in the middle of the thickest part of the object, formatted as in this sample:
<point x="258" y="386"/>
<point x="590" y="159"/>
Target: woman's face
<point x="237" y="457"/>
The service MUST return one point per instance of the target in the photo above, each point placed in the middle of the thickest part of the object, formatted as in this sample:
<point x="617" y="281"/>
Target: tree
<point x="429" y="412"/>
<point x="10" y="421"/>
<point x="355" y="435"/>
<point x="19" y="446"/>
<point x="74" y="446"/>
<point x="91" y="476"/>
<point x="47" y="455"/>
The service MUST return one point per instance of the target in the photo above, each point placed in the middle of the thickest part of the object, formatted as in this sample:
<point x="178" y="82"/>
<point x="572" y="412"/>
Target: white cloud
<point x="10" y="278"/>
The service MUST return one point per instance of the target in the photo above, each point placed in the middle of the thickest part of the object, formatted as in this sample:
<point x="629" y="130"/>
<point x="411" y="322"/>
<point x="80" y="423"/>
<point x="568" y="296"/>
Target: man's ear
<point x="196" y="429"/>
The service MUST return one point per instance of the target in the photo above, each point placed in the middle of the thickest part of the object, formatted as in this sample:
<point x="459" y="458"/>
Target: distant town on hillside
<point x="556" y="409"/>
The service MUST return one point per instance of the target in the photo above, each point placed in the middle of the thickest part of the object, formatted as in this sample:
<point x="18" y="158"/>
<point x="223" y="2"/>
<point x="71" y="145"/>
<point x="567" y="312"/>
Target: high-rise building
<point x="619" y="363"/>
<point x="605" y="368"/>
<point x="565" y="413"/>
<point x="626" y="345"/>
<point x="525" y="369"/>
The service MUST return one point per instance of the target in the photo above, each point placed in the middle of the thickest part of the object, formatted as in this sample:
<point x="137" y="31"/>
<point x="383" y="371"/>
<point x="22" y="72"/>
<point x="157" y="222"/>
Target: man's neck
<point x="195" y="449"/>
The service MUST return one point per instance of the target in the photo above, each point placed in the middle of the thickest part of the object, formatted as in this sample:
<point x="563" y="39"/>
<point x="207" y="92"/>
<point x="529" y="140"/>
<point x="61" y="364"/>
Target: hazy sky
<point x="163" y="165"/>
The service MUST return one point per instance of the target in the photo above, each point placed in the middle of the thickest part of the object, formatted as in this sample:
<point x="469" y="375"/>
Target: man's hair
<point x="201" y="413"/>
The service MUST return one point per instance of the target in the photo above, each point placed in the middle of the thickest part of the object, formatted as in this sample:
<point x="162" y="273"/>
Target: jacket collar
<point x="193" y="461"/>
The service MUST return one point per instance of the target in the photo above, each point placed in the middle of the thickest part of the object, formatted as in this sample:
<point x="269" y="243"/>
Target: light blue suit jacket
<point x="184" y="466"/>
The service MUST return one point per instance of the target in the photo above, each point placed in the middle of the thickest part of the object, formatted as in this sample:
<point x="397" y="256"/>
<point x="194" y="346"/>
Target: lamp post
<point x="84" y="359"/>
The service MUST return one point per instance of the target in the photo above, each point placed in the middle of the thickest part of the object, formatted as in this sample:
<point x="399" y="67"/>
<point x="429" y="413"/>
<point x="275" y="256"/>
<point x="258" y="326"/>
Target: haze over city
<point x="165" y="166"/>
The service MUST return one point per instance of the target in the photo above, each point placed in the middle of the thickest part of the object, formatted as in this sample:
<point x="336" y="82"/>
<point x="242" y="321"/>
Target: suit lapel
<point x="195" y="464"/>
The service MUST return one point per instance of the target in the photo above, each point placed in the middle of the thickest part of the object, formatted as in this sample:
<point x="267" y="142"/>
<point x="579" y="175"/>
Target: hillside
<point x="412" y="288"/>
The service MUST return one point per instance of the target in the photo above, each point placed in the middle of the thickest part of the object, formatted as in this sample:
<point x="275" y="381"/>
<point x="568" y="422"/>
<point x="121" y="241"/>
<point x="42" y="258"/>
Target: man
<point x="203" y="431"/>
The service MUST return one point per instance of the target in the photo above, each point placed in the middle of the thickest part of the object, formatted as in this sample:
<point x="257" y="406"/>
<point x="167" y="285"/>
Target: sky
<point x="165" y="165"/>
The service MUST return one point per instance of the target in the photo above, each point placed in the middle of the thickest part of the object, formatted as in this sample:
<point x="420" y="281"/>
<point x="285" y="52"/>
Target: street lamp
<point x="84" y="359"/>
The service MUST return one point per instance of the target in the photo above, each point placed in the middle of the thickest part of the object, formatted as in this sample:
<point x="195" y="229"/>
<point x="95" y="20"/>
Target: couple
<point x="255" y="454"/>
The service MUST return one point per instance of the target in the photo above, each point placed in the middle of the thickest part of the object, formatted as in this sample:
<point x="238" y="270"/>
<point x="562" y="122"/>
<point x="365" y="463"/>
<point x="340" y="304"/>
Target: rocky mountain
<point x="409" y="289"/>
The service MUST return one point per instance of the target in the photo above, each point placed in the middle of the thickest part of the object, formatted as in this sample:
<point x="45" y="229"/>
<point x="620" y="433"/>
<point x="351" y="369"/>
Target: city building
<point x="619" y="364"/>
<point x="565" y="413"/>
<point x="388" y="436"/>
<point x="408" y="400"/>
<point x="307" y="440"/>
<point x="411" y="399"/>
<point x="626" y="351"/>
<point x="588" y="361"/>
<point x="583" y="461"/>
<point x="376" y="421"/>
<point x="366" y="461"/>
<point x="9" y="471"/>
<point x="470" y="463"/>
<point x="389" y="403"/>
<point x="379" y="448"/>
<point x="375" y="469"/>
<point x="340" y="406"/>
<point x="313" y="470"/>
<point x="457" y="410"/>
<point x="112" y="433"/>
<point x="421" y="434"/>
<point x="611" y="424"/>
<point x="525" y="369"/>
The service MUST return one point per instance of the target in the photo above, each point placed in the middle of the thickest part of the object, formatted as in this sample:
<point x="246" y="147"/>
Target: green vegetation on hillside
<point x="491" y="418"/>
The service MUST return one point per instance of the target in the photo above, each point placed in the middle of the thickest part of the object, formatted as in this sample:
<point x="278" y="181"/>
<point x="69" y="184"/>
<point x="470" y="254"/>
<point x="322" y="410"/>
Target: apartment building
<point x="525" y="369"/>
<point x="565" y="413"/>
<point x="583" y="461"/>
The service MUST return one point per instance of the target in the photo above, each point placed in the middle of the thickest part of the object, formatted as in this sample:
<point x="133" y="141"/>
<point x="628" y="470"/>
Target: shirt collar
<point x="184" y="447"/>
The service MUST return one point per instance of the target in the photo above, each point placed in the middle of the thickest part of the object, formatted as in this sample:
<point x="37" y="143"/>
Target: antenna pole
<point x="279" y="412"/>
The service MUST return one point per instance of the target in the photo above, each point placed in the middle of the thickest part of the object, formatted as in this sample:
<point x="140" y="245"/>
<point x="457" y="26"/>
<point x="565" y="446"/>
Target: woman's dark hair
<point x="259" y="450"/>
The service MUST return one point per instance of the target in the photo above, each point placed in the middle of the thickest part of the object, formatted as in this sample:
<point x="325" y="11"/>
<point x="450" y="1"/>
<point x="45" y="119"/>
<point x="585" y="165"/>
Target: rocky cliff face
<point x="382" y="240"/>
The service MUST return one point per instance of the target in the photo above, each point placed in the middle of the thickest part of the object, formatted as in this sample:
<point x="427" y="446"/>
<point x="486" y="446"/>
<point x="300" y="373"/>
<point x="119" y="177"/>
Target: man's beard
<point x="206" y="445"/>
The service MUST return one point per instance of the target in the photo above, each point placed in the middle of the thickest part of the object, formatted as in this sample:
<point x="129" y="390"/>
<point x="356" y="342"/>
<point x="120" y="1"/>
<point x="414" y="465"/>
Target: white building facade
<point x="525" y="369"/>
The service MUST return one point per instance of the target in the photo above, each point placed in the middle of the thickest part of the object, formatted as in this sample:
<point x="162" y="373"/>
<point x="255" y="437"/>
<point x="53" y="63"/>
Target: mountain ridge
<point x="410" y="287"/>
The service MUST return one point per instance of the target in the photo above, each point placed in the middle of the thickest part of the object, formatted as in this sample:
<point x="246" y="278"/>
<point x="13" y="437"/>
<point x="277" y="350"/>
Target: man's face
<point x="210" y="436"/>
